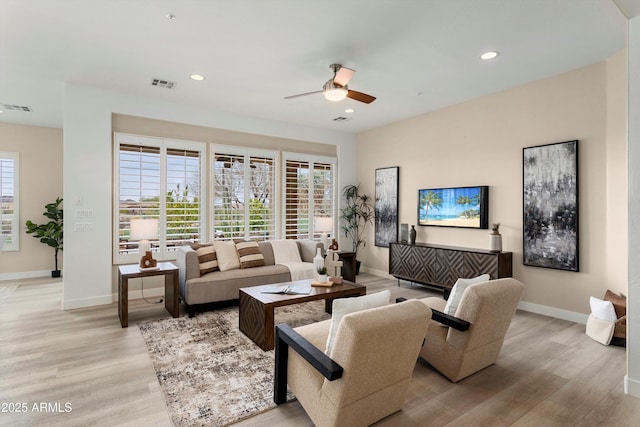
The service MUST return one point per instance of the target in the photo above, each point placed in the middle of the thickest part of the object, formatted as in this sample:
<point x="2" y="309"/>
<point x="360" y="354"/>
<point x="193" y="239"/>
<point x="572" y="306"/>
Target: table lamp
<point x="323" y="225"/>
<point x="143" y="229"/>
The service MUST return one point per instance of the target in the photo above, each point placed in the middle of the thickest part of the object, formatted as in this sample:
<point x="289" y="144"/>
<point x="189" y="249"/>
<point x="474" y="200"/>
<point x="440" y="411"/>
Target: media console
<point x="441" y="266"/>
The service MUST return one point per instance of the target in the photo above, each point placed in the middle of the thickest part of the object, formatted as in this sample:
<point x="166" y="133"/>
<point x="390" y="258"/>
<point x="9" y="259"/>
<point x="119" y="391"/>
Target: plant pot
<point x="55" y="273"/>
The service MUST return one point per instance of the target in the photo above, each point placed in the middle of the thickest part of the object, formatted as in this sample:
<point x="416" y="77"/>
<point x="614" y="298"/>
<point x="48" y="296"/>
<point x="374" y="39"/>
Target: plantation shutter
<point x="9" y="201"/>
<point x="243" y="202"/>
<point x="309" y="195"/>
<point x="139" y="190"/>
<point x="297" y="203"/>
<point x="183" y="197"/>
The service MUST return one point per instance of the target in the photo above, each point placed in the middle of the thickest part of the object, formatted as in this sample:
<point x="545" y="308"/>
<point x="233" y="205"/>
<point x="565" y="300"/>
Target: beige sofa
<point x="217" y="286"/>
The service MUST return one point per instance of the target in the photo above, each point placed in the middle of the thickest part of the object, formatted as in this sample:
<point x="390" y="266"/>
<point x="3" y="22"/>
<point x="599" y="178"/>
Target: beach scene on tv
<point x="450" y="207"/>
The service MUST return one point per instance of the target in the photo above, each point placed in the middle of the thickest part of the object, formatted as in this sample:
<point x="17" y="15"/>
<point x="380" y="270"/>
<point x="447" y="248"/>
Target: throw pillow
<point x="249" y="254"/>
<point x="602" y="310"/>
<point x="619" y="303"/>
<point x="458" y="289"/>
<point x="206" y="257"/>
<point x="227" y="255"/>
<point x="343" y="306"/>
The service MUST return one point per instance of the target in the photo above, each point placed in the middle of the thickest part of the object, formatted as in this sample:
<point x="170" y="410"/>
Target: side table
<point x="348" y="265"/>
<point x="133" y="271"/>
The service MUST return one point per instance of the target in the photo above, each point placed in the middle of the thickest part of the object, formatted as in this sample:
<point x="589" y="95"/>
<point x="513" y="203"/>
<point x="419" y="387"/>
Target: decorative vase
<point x="334" y="245"/>
<point x="495" y="239"/>
<point x="318" y="263"/>
<point x="412" y="234"/>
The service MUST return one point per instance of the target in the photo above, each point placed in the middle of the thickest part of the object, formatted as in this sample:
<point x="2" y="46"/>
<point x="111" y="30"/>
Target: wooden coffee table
<point x="256" y="308"/>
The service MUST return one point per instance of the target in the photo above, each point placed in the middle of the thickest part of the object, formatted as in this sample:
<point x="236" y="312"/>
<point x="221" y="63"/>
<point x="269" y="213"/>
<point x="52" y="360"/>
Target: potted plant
<point x="322" y="274"/>
<point x="357" y="213"/>
<point x="51" y="232"/>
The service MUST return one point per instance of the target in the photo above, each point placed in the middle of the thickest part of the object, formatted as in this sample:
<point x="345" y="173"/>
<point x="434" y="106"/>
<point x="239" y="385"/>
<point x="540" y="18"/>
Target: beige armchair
<point x="488" y="307"/>
<point x="366" y="375"/>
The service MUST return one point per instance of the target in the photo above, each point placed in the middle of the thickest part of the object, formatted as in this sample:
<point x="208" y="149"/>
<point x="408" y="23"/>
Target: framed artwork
<point x="466" y="207"/>
<point x="386" y="206"/>
<point x="550" y="196"/>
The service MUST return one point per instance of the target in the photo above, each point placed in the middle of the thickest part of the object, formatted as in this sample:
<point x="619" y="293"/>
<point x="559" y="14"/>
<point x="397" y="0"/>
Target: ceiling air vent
<point x="17" y="108"/>
<point x="340" y="119"/>
<point x="163" y="83"/>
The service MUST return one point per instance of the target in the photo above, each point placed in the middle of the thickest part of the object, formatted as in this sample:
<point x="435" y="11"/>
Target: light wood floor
<point x="549" y="373"/>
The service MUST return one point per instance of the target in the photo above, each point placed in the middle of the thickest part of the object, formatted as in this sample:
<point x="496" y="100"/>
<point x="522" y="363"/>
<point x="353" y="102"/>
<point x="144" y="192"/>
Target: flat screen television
<point x="466" y="207"/>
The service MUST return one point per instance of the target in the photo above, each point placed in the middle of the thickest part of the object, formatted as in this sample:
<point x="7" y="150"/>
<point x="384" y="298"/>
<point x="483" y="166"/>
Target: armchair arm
<point x="445" y="319"/>
<point x="286" y="337"/>
<point x="452" y="321"/>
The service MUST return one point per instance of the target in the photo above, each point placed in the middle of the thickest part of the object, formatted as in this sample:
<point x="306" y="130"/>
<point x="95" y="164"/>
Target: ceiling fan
<point x="336" y="89"/>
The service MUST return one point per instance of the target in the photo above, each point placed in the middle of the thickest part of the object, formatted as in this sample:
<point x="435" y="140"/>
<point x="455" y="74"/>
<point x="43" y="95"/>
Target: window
<point x="243" y="193"/>
<point x="157" y="179"/>
<point x="309" y="194"/>
<point x="9" y="228"/>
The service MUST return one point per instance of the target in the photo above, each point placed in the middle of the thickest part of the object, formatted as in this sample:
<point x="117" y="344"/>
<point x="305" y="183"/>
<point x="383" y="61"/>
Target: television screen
<point x="454" y="207"/>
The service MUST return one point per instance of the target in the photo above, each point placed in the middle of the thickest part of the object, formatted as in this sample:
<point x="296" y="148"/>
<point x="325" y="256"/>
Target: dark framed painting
<point x="386" y="206"/>
<point x="550" y="196"/>
<point x="466" y="207"/>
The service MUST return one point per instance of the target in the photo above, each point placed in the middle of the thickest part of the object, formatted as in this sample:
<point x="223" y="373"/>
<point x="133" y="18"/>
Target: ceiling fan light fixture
<point x="334" y="92"/>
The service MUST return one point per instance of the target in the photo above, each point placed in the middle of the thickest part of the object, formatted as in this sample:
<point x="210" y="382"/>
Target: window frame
<point x="164" y="144"/>
<point x="312" y="160"/>
<point x="15" y="222"/>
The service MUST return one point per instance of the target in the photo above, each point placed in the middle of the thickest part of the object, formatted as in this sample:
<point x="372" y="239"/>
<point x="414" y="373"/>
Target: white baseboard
<point x="558" y="313"/>
<point x="25" y="275"/>
<point x="631" y="387"/>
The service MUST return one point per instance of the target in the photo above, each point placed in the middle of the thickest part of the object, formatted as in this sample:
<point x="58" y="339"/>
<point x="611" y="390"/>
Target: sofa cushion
<point x="343" y="306"/>
<point x="458" y="289"/>
<point x="227" y="255"/>
<point x="285" y="251"/>
<point x="207" y="259"/>
<point x="249" y="254"/>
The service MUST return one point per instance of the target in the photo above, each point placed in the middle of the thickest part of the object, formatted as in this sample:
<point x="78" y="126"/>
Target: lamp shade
<point x="323" y="224"/>
<point x="144" y="229"/>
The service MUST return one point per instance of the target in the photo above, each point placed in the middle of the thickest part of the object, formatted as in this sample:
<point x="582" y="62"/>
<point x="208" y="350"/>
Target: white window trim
<point x="287" y="155"/>
<point x="162" y="143"/>
<point x="246" y="152"/>
<point x="15" y="224"/>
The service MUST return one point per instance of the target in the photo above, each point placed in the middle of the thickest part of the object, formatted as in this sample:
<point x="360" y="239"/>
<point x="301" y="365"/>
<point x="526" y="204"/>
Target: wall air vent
<point x="163" y="83"/>
<point x="340" y="119"/>
<point x="11" y="107"/>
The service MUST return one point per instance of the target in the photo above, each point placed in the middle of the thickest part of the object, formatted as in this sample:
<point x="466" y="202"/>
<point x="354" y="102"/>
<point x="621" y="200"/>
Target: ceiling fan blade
<point x="302" y="94"/>
<point x="359" y="96"/>
<point x="343" y="75"/>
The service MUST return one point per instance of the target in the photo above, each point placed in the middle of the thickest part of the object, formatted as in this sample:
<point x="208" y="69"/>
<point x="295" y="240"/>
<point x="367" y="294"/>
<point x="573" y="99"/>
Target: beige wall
<point x="480" y="143"/>
<point x="40" y="151"/>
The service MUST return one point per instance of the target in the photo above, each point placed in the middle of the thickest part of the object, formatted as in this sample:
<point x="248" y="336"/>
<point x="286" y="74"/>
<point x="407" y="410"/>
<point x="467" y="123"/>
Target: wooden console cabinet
<point x="441" y="266"/>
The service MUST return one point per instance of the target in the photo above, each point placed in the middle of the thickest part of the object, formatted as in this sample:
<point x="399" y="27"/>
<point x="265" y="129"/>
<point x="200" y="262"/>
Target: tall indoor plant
<point x="51" y="232"/>
<point x="357" y="213"/>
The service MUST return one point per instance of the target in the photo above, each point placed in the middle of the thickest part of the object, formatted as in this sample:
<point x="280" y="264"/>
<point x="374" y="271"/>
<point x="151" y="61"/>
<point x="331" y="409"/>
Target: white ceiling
<point x="414" y="56"/>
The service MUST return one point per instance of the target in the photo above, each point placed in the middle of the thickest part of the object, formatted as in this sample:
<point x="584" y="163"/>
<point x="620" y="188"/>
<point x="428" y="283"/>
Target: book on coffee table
<point x="288" y="290"/>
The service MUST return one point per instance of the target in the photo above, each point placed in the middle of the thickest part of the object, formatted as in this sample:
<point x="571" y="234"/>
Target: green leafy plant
<point x="357" y="213"/>
<point x="322" y="270"/>
<point x="50" y="233"/>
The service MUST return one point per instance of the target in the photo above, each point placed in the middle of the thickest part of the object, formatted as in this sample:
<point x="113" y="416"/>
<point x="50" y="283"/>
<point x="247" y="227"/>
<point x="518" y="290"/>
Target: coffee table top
<point x="317" y="293"/>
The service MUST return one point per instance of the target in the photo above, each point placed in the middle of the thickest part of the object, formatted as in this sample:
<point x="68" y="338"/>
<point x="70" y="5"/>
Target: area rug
<point x="211" y="374"/>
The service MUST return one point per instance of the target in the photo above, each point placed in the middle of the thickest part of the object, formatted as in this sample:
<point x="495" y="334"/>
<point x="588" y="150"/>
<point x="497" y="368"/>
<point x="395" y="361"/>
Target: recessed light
<point x="197" y="77"/>
<point x="489" y="55"/>
<point x="349" y="110"/>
